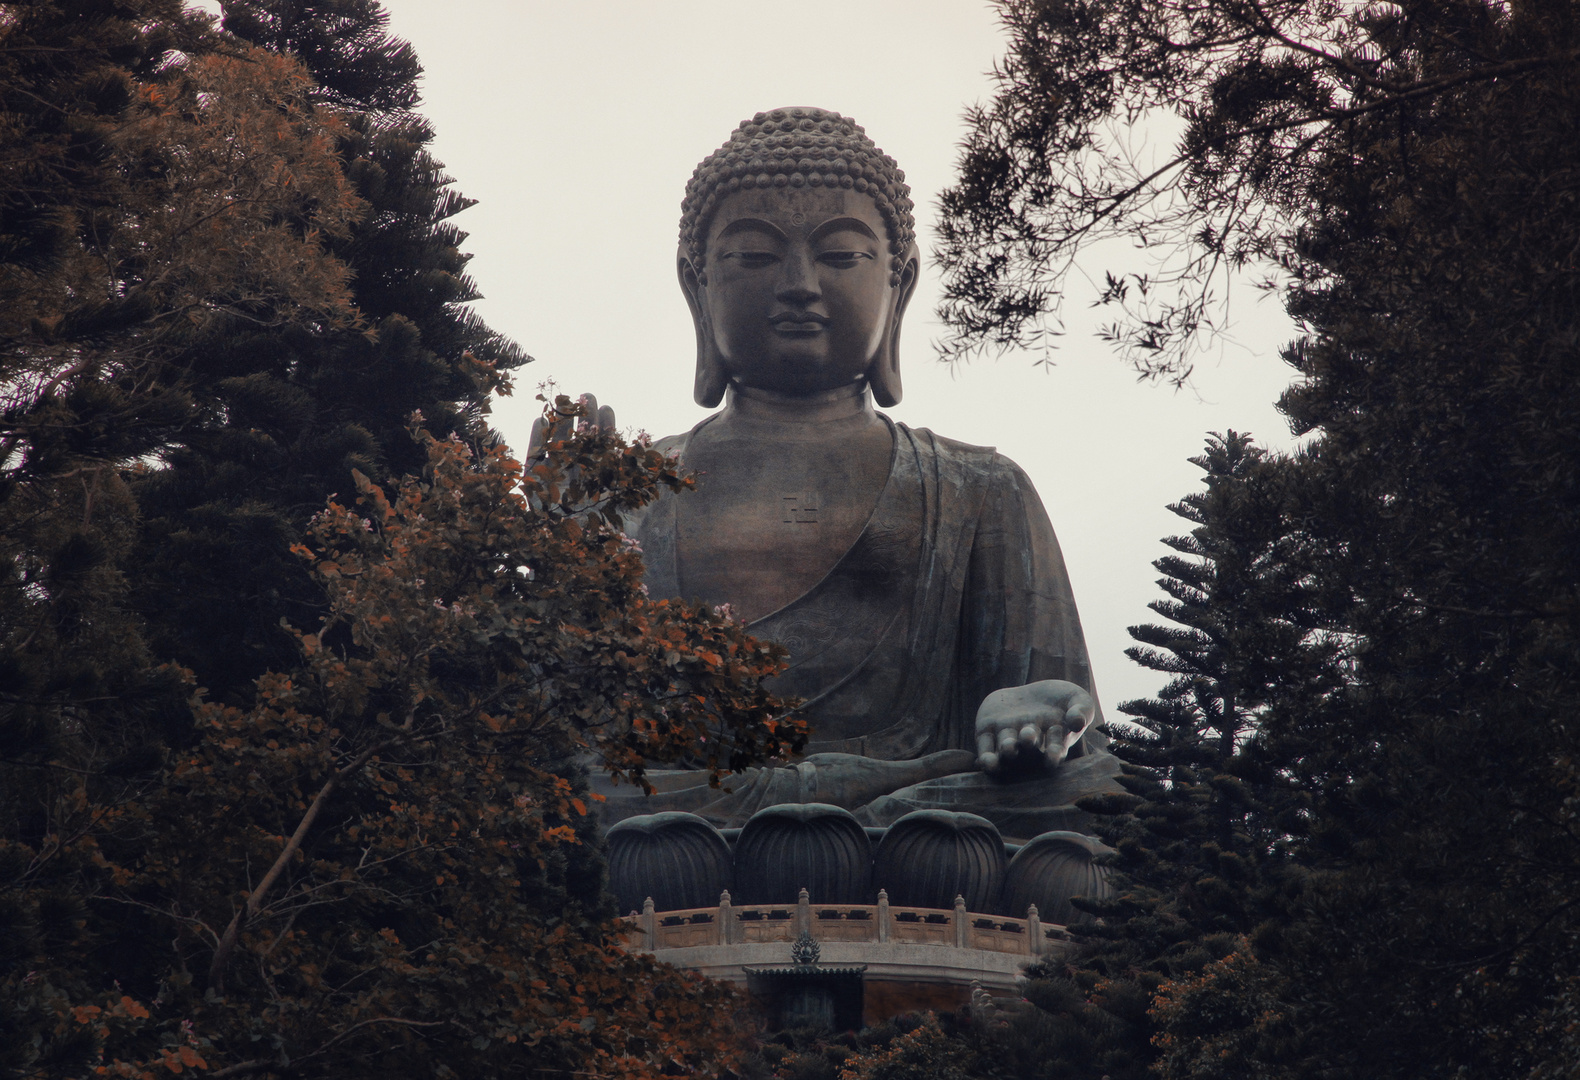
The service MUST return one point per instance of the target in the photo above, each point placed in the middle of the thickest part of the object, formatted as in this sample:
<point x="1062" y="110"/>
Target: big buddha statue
<point x="915" y="581"/>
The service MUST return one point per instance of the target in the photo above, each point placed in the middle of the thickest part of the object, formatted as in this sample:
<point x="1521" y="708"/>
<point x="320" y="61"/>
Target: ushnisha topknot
<point x="798" y="147"/>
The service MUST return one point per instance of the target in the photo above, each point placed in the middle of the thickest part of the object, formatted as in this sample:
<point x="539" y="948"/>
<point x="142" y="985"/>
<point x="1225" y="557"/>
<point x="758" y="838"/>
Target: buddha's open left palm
<point x="1033" y="724"/>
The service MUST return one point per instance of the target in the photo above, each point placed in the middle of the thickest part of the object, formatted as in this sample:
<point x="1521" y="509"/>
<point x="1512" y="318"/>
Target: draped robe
<point x="954" y="588"/>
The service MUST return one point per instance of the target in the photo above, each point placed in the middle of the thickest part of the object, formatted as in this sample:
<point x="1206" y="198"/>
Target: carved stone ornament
<point x="805" y="952"/>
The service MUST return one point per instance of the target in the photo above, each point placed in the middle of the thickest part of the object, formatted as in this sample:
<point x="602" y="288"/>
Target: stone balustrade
<point x="729" y="924"/>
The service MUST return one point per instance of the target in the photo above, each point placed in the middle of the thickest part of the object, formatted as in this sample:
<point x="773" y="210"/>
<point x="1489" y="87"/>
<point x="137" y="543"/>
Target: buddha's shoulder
<point x="671" y="444"/>
<point x="676" y="444"/>
<point x="983" y="463"/>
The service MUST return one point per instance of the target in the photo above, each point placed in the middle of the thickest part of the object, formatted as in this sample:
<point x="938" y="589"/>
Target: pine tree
<point x="1203" y="836"/>
<point x="289" y="414"/>
<point x="358" y="66"/>
<point x="156" y="180"/>
<point x="145" y="200"/>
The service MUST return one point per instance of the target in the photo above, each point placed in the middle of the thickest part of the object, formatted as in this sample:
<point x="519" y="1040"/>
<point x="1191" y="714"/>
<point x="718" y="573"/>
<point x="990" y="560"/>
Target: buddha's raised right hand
<point x="592" y="416"/>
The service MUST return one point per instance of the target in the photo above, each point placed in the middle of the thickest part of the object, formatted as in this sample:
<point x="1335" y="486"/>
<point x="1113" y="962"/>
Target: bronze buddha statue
<point x="916" y="581"/>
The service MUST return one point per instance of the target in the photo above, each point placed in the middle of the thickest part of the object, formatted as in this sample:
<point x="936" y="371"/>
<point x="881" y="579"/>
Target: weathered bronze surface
<point x="910" y="576"/>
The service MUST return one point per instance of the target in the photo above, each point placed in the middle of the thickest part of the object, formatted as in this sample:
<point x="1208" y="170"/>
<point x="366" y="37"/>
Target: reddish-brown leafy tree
<point x="386" y="865"/>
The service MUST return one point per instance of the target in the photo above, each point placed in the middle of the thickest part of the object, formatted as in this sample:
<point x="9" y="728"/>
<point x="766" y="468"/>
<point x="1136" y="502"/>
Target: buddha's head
<point x="798" y="257"/>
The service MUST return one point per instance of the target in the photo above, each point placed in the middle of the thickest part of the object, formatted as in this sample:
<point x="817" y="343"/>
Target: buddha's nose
<point x="798" y="280"/>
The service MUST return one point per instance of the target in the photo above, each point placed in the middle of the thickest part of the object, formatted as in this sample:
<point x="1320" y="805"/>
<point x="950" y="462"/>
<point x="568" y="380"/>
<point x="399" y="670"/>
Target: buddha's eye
<point x="844" y="260"/>
<point x="751" y="260"/>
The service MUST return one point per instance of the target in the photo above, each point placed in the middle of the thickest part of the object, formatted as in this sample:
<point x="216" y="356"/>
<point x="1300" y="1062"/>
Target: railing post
<point x="726" y="922"/>
<point x="649" y="925"/>
<point x="803" y="914"/>
<point x="1033" y="931"/>
<point x="962" y="927"/>
<point x="883" y="916"/>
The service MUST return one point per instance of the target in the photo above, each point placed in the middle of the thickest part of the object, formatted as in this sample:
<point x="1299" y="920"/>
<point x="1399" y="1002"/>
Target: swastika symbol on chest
<point x="799" y="509"/>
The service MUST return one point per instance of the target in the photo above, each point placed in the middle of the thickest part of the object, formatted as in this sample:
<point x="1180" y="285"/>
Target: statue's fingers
<point x="1054" y="749"/>
<point x="589" y="404"/>
<point x="1080" y="714"/>
<point x="563" y="426"/>
<point x="1006" y="741"/>
<point x="1055" y="743"/>
<point x="538" y="440"/>
<point x="605" y="418"/>
<point x="985" y="755"/>
<point x="1031" y="736"/>
<point x="1050" y="729"/>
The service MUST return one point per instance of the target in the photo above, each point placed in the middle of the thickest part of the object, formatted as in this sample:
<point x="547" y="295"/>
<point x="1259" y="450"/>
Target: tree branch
<point x="249" y="910"/>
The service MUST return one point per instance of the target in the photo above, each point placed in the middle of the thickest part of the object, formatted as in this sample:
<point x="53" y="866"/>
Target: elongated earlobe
<point x="708" y="389"/>
<point x="884" y="374"/>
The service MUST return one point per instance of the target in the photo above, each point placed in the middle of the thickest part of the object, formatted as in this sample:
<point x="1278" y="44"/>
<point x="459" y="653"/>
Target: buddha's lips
<point x="798" y="322"/>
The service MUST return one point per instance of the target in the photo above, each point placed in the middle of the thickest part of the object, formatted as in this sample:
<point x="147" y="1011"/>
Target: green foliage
<point x="1411" y="169"/>
<point x="287" y="415"/>
<point x="1074" y="1024"/>
<point x="1439" y="373"/>
<point x="926" y="1052"/>
<point x="131" y="222"/>
<point x="146" y="197"/>
<point x="343" y="42"/>
<point x="1246" y="621"/>
<point x="1203" y="839"/>
<point x="385" y="862"/>
<point x="1217" y="1024"/>
<point x="1265" y="96"/>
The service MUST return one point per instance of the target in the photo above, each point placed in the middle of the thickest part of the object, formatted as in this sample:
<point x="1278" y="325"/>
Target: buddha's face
<point x="798" y="298"/>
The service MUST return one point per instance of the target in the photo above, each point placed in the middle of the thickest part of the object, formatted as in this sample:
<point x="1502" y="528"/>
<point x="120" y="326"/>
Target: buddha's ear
<point x="884" y="374"/>
<point x="708" y="390"/>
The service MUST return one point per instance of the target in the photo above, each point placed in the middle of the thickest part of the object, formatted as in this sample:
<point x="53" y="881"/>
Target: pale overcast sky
<point x="576" y="126"/>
